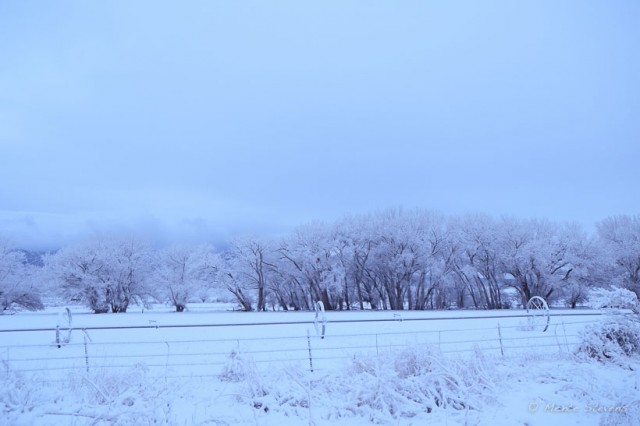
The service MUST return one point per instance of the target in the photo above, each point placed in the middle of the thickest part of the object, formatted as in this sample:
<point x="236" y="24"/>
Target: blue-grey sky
<point x="205" y="119"/>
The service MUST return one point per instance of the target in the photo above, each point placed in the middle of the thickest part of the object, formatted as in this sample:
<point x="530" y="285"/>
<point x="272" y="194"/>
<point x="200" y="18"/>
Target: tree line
<point x="393" y="259"/>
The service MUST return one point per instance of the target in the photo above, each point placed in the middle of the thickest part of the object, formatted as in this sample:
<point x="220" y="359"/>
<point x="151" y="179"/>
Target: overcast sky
<point x="202" y="120"/>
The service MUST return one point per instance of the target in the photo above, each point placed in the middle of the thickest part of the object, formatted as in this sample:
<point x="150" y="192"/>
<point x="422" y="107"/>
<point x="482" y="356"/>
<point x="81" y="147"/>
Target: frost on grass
<point x="104" y="397"/>
<point x="413" y="386"/>
<point x="408" y="385"/>
<point x="18" y="397"/>
<point x="240" y="368"/>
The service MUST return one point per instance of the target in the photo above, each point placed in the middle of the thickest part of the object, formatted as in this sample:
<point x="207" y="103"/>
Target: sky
<point x="203" y="120"/>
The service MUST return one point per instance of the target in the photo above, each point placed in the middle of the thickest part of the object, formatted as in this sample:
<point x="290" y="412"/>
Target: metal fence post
<point x="86" y="351"/>
<point x="309" y="347"/>
<point x="500" y="337"/>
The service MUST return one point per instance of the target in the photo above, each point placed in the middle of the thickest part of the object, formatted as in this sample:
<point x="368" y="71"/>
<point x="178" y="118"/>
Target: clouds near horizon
<point x="257" y="117"/>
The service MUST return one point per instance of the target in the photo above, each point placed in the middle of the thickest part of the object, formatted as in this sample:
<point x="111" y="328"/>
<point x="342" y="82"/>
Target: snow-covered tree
<point x="309" y="259"/>
<point x="253" y="267"/>
<point x="106" y="273"/>
<point x="16" y="286"/>
<point x="620" y="238"/>
<point x="585" y="258"/>
<point x="476" y="262"/>
<point x="184" y="270"/>
<point x="240" y="289"/>
<point x="542" y="257"/>
<point x="354" y="242"/>
<point x="412" y="260"/>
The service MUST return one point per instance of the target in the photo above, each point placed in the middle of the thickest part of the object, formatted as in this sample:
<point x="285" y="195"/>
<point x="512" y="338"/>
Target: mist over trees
<point x="393" y="259"/>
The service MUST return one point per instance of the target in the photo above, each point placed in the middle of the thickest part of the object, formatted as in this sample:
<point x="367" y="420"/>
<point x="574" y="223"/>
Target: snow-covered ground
<point x="221" y="367"/>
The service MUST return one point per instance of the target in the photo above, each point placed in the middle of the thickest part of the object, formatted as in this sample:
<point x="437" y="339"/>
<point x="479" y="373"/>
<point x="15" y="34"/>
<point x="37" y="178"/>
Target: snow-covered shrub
<point x="611" y="339"/>
<point x="414" y="361"/>
<point x="415" y="381"/>
<point x="18" y="396"/>
<point x="372" y="391"/>
<point x="17" y="281"/>
<point x="104" y="385"/>
<point x="237" y="368"/>
<point x="618" y="298"/>
<point x="240" y="368"/>
<point x="101" y="397"/>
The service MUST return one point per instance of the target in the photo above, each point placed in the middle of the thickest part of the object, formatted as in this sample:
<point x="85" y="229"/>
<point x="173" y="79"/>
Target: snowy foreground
<point x="389" y="368"/>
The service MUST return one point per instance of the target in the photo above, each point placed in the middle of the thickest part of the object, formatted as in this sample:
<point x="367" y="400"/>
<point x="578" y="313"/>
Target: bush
<point x="412" y="382"/>
<point x="240" y="368"/>
<point x="612" y="339"/>
<point x="618" y="298"/>
<point x="15" y="298"/>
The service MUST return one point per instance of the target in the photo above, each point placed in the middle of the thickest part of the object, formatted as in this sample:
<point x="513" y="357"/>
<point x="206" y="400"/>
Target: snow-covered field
<point x="274" y="368"/>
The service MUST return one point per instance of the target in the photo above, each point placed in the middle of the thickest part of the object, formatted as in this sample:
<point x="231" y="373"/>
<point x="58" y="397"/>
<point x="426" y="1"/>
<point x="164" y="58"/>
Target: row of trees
<point x="388" y="260"/>
<point x="421" y="260"/>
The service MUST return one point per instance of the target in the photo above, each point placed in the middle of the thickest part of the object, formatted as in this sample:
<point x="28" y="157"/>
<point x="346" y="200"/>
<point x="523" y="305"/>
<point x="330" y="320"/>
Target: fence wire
<point x="209" y="356"/>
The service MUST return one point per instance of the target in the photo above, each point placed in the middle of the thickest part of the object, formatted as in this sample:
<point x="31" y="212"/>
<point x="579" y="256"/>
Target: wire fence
<point x="203" y="357"/>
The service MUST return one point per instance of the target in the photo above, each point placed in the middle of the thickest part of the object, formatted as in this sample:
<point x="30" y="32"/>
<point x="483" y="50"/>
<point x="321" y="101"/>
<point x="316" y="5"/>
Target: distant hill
<point x="33" y="257"/>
